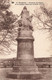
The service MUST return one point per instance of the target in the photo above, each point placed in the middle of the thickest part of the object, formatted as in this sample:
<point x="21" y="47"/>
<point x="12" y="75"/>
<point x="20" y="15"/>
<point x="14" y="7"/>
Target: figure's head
<point x="25" y="8"/>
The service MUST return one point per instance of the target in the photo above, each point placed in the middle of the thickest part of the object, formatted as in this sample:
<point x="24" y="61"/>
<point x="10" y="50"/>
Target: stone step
<point x="23" y="75"/>
<point x="25" y="69"/>
<point x="20" y="79"/>
<point x="47" y="75"/>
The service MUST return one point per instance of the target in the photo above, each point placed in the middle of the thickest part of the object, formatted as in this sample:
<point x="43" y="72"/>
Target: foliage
<point x="7" y="29"/>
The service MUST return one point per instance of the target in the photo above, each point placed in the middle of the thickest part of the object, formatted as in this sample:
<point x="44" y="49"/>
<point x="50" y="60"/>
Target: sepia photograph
<point x="25" y="40"/>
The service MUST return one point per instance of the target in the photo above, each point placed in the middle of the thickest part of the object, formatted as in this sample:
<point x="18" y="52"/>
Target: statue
<point x="25" y="20"/>
<point x="25" y="67"/>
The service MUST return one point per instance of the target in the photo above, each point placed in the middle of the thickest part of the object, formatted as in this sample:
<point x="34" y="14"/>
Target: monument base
<point x="24" y="75"/>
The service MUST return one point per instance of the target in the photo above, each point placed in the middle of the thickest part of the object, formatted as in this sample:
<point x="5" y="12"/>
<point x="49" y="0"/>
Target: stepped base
<point x="24" y="75"/>
<point x="25" y="72"/>
<point x="25" y="69"/>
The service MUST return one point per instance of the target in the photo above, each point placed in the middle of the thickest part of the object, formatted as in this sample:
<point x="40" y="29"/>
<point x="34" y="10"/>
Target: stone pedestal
<point x="25" y="66"/>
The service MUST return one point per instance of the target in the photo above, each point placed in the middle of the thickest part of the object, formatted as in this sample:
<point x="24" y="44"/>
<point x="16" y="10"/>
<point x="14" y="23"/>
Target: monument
<point x="25" y="67"/>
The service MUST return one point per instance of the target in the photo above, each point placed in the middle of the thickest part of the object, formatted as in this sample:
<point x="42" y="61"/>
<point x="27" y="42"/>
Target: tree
<point x="7" y="19"/>
<point x="46" y="20"/>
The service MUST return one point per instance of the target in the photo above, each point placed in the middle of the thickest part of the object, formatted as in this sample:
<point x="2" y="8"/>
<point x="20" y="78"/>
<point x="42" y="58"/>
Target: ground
<point x="3" y="73"/>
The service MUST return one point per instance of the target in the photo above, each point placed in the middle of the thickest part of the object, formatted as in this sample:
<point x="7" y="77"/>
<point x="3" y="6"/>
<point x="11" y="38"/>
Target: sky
<point x="42" y="43"/>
